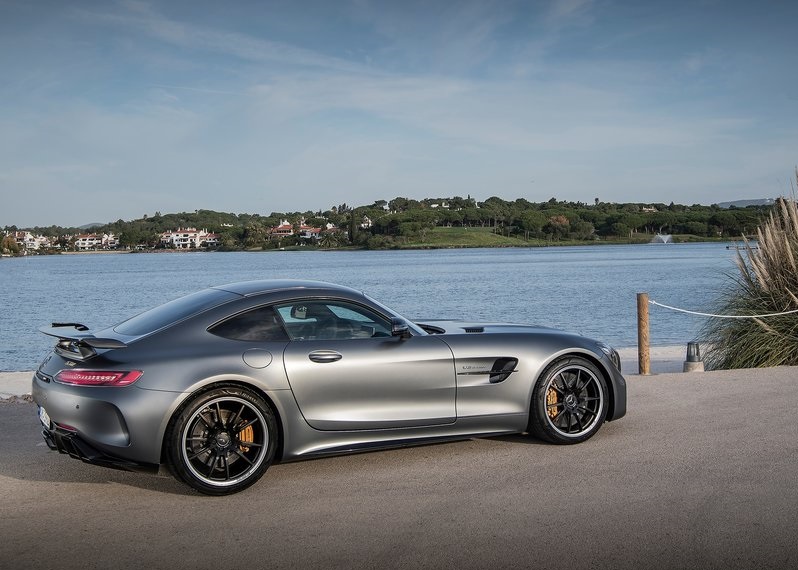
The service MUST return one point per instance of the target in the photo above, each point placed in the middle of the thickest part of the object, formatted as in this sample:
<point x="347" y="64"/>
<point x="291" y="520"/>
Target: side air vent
<point x="502" y="369"/>
<point x="482" y="370"/>
<point x="474" y="329"/>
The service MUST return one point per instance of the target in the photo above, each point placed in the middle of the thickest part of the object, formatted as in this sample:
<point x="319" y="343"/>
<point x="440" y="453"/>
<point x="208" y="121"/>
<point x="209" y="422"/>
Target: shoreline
<point x="539" y="244"/>
<point x="664" y="359"/>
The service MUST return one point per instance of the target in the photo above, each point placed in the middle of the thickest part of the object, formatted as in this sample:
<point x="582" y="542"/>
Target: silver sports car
<point x="220" y="384"/>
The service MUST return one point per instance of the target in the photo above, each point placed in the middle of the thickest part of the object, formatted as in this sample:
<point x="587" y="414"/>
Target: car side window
<point x="331" y="320"/>
<point x="259" y="324"/>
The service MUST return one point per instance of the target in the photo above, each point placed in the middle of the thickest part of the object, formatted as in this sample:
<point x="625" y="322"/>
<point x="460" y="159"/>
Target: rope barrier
<point x="723" y="316"/>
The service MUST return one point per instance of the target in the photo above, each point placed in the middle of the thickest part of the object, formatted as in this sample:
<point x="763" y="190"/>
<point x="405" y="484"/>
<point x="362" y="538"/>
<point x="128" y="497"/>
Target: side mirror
<point x="399" y="328"/>
<point x="299" y="312"/>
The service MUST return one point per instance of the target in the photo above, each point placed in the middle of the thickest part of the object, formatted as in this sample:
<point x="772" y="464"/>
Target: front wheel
<point x="569" y="401"/>
<point x="222" y="441"/>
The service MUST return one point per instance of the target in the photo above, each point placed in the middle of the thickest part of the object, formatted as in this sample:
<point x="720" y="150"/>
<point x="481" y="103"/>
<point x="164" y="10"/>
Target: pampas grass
<point x="766" y="282"/>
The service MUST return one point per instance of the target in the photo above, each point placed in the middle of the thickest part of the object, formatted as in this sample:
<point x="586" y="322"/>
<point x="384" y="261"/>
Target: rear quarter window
<point x="259" y="325"/>
<point x="173" y="311"/>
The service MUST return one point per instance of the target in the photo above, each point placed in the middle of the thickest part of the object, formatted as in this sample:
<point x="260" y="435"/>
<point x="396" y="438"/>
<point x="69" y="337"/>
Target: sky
<point x="115" y="109"/>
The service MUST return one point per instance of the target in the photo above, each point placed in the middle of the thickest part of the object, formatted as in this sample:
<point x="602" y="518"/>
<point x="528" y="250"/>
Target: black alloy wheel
<point x="569" y="401"/>
<point x="222" y="441"/>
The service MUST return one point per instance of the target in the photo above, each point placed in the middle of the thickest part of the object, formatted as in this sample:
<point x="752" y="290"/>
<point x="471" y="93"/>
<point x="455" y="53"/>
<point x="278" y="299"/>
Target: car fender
<point x="616" y="384"/>
<point x="274" y="397"/>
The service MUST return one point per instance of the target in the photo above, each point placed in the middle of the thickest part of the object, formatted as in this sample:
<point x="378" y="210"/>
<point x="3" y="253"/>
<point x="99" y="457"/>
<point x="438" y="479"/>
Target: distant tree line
<point x="391" y="223"/>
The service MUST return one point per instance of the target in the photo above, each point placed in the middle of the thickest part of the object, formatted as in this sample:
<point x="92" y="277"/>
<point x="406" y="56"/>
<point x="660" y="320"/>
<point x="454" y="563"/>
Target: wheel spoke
<point x="198" y="453"/>
<point x="241" y="455"/>
<point x="579" y="423"/>
<point x="203" y="420"/>
<point x="234" y="421"/>
<point x="226" y="467"/>
<point x="568" y="417"/>
<point x="219" y="419"/>
<point x="246" y="425"/>
<point x="579" y="385"/>
<point x="211" y="465"/>
<point x="574" y="379"/>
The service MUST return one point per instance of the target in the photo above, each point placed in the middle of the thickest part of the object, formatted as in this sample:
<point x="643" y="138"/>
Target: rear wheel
<point x="222" y="441"/>
<point x="569" y="401"/>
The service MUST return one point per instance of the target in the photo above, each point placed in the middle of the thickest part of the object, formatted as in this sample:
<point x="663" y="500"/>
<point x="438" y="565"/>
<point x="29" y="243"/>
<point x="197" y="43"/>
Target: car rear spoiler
<point x="79" y="342"/>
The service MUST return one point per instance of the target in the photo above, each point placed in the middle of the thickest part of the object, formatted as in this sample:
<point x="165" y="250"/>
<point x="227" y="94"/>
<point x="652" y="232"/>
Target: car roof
<point x="258" y="287"/>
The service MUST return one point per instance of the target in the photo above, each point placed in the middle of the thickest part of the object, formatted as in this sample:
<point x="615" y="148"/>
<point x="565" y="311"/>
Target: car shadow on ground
<point x="520" y="438"/>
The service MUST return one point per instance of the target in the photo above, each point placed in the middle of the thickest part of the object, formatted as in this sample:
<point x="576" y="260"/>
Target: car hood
<point x="472" y="327"/>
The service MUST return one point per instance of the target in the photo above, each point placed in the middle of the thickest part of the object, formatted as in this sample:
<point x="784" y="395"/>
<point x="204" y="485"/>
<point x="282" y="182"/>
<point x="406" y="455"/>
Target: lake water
<point x="590" y="290"/>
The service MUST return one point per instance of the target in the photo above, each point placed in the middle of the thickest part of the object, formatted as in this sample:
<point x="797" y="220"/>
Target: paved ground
<point x="702" y="473"/>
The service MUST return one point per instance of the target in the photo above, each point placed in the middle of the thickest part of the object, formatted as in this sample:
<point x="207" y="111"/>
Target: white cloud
<point x="144" y="19"/>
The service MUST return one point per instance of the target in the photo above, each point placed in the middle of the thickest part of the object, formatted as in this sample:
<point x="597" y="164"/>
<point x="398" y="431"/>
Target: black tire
<point x="569" y="401"/>
<point x="222" y="440"/>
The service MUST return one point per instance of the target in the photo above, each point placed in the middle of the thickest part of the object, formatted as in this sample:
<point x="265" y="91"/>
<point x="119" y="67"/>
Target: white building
<point x="285" y="229"/>
<point x="189" y="238"/>
<point x="30" y="242"/>
<point x="85" y="242"/>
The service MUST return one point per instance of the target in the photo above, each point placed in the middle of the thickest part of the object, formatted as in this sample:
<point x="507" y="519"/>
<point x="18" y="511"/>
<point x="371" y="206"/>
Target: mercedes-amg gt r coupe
<point x="221" y="383"/>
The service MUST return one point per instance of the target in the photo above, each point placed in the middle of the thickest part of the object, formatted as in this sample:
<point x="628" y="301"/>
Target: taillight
<point x="79" y="377"/>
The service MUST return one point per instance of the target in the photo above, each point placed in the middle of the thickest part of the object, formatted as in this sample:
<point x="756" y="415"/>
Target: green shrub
<point x="767" y="282"/>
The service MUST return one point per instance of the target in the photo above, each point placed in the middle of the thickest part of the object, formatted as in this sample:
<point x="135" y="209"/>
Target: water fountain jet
<point x="662" y="238"/>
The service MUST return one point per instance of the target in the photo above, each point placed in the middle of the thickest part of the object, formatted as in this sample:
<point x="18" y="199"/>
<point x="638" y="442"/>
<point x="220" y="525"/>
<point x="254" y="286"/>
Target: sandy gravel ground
<point x="701" y="473"/>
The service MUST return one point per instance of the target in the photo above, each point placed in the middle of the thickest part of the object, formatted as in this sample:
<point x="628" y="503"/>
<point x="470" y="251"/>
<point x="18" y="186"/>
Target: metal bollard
<point x="693" y="362"/>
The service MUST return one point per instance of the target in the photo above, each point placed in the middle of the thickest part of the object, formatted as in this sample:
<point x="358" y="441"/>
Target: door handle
<point x="323" y="356"/>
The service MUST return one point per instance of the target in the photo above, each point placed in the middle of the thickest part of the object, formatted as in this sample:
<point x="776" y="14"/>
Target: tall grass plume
<point x="766" y="283"/>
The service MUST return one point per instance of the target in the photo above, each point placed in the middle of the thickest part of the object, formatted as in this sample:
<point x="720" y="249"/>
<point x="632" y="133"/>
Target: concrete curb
<point x="15" y="384"/>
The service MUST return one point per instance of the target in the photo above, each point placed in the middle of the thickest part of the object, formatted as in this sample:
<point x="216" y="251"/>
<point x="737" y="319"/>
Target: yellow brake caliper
<point x="551" y="401"/>
<point x="246" y="435"/>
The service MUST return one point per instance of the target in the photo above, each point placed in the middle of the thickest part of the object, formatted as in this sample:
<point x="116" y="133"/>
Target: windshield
<point x="418" y="331"/>
<point x="173" y="311"/>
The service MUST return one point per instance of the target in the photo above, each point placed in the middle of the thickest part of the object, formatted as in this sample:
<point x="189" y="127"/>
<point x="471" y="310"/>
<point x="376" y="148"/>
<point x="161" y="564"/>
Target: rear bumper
<point x="116" y="426"/>
<point x="71" y="444"/>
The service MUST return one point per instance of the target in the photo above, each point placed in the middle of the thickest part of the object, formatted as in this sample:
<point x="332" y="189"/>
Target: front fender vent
<point x="502" y="369"/>
<point x="474" y="329"/>
<point x="487" y="369"/>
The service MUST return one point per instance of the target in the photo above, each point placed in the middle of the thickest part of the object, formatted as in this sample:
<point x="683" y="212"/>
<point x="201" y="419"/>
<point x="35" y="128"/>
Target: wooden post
<point x="643" y="354"/>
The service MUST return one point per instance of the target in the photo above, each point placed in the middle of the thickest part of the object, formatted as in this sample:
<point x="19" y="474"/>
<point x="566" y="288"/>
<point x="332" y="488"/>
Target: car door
<point x="348" y="373"/>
